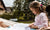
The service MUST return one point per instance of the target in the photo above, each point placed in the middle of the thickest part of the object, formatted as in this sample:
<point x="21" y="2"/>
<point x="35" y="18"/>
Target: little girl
<point x="41" y="20"/>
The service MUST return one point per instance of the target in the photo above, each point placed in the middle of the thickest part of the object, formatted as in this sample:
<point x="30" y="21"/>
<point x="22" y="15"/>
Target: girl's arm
<point x="33" y="26"/>
<point x="44" y="21"/>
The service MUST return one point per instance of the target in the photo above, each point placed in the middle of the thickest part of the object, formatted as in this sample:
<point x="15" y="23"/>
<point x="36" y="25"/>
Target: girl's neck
<point x="38" y="13"/>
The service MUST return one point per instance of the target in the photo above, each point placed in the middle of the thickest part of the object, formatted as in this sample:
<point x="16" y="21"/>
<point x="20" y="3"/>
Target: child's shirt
<point x="41" y="20"/>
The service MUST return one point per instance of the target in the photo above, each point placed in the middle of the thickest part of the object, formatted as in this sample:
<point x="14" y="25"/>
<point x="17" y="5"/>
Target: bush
<point x="23" y="15"/>
<point x="5" y="16"/>
<point x="0" y="16"/>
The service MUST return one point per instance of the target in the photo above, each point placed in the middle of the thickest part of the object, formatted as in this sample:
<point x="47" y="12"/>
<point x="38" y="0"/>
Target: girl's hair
<point x="36" y="4"/>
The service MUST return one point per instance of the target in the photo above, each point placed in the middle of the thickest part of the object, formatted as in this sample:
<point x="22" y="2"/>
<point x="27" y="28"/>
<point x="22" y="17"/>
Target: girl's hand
<point x="31" y="24"/>
<point x="35" y="27"/>
<point x="42" y="28"/>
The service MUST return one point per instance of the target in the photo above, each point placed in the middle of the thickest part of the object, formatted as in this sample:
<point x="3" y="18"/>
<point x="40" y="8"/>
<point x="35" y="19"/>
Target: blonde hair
<point x="37" y="5"/>
<point x="34" y="4"/>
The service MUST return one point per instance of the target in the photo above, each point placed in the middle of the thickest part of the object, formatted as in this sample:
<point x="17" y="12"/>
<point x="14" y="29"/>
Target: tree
<point x="44" y="2"/>
<point x="22" y="11"/>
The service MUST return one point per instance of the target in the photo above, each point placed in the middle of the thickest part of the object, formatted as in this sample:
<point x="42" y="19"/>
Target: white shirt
<point x="41" y="20"/>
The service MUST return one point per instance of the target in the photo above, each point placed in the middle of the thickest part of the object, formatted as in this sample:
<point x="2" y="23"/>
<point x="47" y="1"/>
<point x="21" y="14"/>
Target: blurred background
<point x="18" y="10"/>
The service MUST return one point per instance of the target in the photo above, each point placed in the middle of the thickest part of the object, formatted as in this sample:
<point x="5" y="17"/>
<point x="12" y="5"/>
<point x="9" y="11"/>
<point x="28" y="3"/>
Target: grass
<point x="25" y="21"/>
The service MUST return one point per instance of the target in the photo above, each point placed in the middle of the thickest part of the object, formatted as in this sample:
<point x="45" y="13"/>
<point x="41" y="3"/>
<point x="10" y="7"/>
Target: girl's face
<point x="33" y="10"/>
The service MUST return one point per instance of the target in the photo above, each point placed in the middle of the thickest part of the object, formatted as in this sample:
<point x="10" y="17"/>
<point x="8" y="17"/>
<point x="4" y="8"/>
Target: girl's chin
<point x="34" y="14"/>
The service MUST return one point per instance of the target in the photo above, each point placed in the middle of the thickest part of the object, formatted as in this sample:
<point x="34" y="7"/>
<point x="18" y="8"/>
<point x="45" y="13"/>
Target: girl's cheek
<point x="34" y="12"/>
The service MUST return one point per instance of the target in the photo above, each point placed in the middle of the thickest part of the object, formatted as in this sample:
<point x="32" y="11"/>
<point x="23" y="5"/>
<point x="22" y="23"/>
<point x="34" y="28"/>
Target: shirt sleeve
<point x="44" y="20"/>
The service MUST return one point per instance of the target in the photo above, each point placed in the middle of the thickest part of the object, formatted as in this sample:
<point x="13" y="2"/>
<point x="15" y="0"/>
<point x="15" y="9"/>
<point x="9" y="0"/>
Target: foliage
<point x="6" y="16"/>
<point x="44" y="2"/>
<point x="24" y="14"/>
<point x="21" y="10"/>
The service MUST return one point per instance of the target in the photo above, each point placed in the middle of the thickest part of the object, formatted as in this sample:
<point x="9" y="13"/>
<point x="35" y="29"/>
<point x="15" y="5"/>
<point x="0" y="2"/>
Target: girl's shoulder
<point x="42" y="14"/>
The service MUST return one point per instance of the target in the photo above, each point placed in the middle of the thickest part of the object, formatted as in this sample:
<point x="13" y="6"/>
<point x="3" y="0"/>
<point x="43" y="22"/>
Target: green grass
<point x="25" y="21"/>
